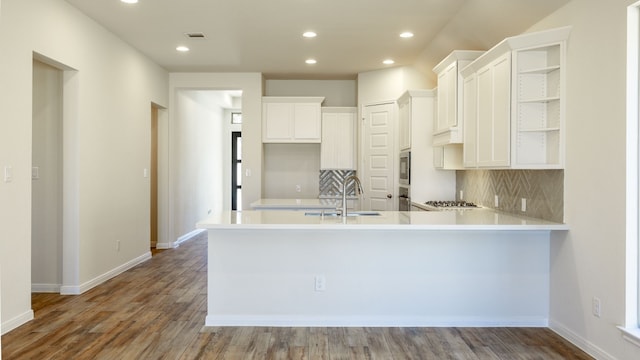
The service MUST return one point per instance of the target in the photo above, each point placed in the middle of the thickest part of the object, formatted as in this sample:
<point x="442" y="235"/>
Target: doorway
<point x="153" y="179"/>
<point x="236" y="170"/>
<point x="378" y="157"/>
<point x="47" y="178"/>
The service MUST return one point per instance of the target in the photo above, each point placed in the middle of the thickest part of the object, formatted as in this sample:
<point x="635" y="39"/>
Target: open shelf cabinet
<point x="538" y="107"/>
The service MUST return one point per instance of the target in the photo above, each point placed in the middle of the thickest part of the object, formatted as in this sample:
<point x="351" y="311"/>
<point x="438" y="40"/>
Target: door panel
<point x="378" y="154"/>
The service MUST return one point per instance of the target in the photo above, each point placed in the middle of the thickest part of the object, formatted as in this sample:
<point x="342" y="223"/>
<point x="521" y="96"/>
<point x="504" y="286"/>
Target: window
<point x="631" y="327"/>
<point x="236" y="118"/>
<point x="236" y="170"/>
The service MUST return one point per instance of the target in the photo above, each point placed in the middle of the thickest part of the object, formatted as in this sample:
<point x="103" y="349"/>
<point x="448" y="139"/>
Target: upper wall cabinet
<point x="415" y="117"/>
<point x="448" y="127"/>
<point x="515" y="104"/>
<point x="338" y="147"/>
<point x="291" y="119"/>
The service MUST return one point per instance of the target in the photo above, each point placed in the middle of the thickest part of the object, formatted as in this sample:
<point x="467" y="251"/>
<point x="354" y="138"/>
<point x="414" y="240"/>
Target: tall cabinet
<point x="514" y="103"/>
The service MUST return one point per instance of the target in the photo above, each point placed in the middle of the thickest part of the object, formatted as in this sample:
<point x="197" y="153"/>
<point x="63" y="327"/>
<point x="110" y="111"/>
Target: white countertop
<point x="477" y="219"/>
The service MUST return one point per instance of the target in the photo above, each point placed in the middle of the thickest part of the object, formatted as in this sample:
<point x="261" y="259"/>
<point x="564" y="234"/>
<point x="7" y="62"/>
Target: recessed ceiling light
<point x="182" y="48"/>
<point x="311" y="61"/>
<point x="309" y="34"/>
<point x="406" y="35"/>
<point x="130" y="1"/>
<point x="388" y="62"/>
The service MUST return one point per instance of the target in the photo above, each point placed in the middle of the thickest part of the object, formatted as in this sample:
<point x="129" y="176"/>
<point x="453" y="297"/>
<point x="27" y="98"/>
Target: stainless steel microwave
<point x="405" y="168"/>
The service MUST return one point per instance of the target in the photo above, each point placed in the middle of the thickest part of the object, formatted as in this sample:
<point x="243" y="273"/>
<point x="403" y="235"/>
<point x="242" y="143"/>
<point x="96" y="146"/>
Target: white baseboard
<point x="76" y="290"/>
<point x="16" y="321"/>
<point x="45" y="288"/>
<point x="180" y="240"/>
<point x="369" y="321"/>
<point x="579" y="341"/>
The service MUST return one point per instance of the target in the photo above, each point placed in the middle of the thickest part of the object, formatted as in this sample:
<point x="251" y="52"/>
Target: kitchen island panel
<point x="266" y="277"/>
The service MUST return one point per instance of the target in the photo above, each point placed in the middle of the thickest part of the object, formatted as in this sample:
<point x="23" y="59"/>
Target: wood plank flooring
<point x="157" y="311"/>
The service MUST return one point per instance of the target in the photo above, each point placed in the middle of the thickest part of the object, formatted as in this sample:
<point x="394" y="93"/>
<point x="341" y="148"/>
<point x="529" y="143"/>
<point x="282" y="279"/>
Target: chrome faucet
<point x="344" y="192"/>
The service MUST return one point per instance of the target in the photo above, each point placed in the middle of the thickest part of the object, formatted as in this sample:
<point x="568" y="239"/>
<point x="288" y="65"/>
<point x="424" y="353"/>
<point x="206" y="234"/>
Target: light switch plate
<point x="8" y="174"/>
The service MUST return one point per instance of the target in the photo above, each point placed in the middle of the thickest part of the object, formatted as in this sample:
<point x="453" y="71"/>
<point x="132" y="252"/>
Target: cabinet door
<point x="493" y="111"/>
<point x="338" y="146"/>
<point x="404" y="113"/>
<point x="447" y="90"/>
<point x="306" y="122"/>
<point x="470" y="122"/>
<point x="502" y="110"/>
<point x="277" y="122"/>
<point x="484" y="112"/>
<point x="452" y="95"/>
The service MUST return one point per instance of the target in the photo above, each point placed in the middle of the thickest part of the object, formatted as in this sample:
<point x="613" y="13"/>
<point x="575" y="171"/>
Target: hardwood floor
<point x="157" y="311"/>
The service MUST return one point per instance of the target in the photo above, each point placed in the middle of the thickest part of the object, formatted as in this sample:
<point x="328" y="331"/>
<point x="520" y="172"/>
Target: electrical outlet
<point x="461" y="195"/>
<point x="320" y="283"/>
<point x="118" y="245"/>
<point x="496" y="203"/>
<point x="596" y="307"/>
<point x="523" y="206"/>
<point x="298" y="188"/>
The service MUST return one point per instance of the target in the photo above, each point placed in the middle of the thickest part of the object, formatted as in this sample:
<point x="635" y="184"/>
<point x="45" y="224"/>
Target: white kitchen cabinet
<point x="493" y="112"/>
<point x="415" y="118"/>
<point x="291" y="119"/>
<point x="470" y="118"/>
<point x="339" y="138"/>
<point x="517" y="91"/>
<point x="448" y="127"/>
<point x="448" y="157"/>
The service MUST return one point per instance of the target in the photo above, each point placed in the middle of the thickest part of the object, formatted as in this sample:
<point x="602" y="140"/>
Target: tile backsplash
<point x="331" y="183"/>
<point x="543" y="189"/>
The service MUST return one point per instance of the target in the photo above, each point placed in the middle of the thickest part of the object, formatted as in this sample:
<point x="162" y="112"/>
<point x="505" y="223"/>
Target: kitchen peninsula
<point x="451" y="268"/>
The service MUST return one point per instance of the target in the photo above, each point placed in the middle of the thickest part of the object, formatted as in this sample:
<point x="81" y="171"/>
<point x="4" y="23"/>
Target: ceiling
<point x="353" y="35"/>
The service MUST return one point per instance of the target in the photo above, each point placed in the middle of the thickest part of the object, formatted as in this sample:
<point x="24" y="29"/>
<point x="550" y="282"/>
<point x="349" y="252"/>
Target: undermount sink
<point x="349" y="213"/>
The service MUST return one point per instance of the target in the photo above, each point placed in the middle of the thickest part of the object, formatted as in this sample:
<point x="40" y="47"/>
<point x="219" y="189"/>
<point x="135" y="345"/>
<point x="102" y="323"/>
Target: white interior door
<point x="378" y="157"/>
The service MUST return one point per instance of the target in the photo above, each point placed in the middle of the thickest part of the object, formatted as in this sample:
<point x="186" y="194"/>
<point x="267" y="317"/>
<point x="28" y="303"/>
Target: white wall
<point x="46" y="200"/>
<point x="590" y="260"/>
<point x="335" y="92"/>
<point x="106" y="147"/>
<point x="289" y="165"/>
<point x="251" y="86"/>
<point x="389" y="84"/>
<point x="201" y="150"/>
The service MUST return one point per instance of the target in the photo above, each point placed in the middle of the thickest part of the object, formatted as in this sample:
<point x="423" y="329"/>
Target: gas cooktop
<point x="450" y="205"/>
